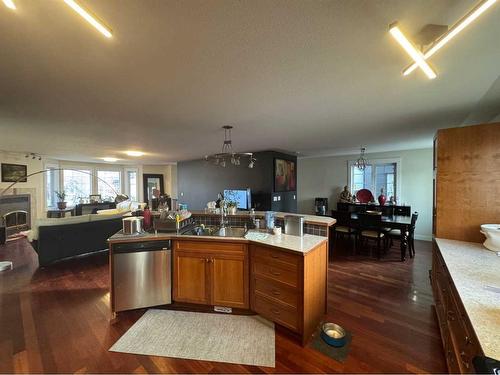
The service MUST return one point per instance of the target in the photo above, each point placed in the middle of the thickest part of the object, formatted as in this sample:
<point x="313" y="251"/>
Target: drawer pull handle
<point x="275" y="273"/>
<point x="275" y="256"/>
<point x="275" y="311"/>
<point x="276" y="292"/>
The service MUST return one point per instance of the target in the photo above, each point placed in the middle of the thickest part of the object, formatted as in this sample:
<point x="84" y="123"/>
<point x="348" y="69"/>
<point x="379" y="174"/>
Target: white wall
<point x="326" y="176"/>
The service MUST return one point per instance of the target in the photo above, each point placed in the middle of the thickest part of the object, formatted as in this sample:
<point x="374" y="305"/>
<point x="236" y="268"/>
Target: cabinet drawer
<point x="276" y="291"/>
<point x="209" y="246"/>
<point x="276" y="312"/>
<point x="276" y="256"/>
<point x="274" y="272"/>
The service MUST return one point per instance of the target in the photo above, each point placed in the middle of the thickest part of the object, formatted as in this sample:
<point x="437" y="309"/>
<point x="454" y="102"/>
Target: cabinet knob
<point x="464" y="359"/>
<point x="276" y="292"/>
<point x="274" y="256"/>
<point x="275" y="273"/>
<point x="275" y="311"/>
<point x="451" y="315"/>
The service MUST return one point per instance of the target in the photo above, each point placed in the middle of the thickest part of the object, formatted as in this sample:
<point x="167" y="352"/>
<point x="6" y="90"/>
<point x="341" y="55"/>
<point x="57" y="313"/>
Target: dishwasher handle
<point x="134" y="247"/>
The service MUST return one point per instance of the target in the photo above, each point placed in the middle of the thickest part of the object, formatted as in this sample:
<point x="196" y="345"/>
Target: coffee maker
<point x="321" y="206"/>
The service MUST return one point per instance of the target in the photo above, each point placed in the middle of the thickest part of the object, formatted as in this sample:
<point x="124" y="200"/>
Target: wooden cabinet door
<point x="191" y="283"/>
<point x="229" y="275"/>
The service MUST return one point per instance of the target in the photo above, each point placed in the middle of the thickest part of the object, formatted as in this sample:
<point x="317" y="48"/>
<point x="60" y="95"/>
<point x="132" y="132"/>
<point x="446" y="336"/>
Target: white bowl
<point x="492" y="233"/>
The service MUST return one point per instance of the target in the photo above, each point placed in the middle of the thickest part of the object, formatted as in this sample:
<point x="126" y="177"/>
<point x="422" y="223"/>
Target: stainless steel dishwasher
<point x="142" y="274"/>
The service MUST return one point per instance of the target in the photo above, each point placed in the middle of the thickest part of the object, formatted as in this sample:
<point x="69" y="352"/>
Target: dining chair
<point x="396" y="234"/>
<point x="343" y="227"/>
<point x="370" y="228"/>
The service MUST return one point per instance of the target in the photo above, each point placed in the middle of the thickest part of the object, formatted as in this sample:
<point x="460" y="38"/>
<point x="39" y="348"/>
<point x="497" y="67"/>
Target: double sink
<point x="216" y="231"/>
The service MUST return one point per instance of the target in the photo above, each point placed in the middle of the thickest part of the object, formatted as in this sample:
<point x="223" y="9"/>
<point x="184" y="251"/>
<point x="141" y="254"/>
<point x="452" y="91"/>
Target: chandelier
<point x="227" y="155"/>
<point x="361" y="163"/>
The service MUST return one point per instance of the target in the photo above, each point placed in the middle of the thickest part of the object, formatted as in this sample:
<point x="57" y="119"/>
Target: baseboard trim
<point x="422" y="237"/>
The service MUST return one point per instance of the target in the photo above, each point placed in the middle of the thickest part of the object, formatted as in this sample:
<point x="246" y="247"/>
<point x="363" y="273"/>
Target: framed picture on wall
<point x="14" y="172"/>
<point x="285" y="175"/>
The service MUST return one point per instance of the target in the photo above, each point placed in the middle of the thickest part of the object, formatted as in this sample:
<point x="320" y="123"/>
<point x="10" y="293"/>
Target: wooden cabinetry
<point x="289" y="289"/>
<point x="466" y="181"/>
<point x="211" y="273"/>
<point x="459" y="340"/>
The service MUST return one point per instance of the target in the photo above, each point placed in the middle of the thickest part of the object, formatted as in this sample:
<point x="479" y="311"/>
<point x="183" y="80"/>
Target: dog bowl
<point x="333" y="334"/>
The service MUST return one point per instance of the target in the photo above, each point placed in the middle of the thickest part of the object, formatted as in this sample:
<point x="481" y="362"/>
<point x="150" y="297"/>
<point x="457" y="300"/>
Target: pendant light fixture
<point x="227" y="154"/>
<point x="361" y="163"/>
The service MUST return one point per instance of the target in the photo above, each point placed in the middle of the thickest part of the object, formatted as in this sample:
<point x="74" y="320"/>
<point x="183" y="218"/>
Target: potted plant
<point x="61" y="195"/>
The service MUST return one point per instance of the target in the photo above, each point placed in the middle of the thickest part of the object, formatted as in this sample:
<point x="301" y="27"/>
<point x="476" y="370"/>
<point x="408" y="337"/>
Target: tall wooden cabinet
<point x="466" y="195"/>
<point x="466" y="181"/>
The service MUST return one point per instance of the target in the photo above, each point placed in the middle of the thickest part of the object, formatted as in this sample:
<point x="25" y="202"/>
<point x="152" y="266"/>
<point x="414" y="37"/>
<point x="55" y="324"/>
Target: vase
<point x="61" y="205"/>
<point x="382" y="198"/>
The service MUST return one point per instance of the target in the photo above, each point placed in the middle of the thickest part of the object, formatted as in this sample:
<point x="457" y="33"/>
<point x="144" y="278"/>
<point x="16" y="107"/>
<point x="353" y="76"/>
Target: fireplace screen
<point x="15" y="221"/>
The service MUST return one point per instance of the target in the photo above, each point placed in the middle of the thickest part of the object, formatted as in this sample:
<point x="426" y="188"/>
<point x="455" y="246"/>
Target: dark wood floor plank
<point x="55" y="319"/>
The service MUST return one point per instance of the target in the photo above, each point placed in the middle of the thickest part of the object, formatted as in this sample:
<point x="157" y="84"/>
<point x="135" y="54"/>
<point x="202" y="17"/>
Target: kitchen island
<point x="466" y="288"/>
<point x="280" y="277"/>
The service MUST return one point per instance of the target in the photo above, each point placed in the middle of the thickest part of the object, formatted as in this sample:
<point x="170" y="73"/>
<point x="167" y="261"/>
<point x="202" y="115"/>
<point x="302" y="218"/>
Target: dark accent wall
<point x="199" y="182"/>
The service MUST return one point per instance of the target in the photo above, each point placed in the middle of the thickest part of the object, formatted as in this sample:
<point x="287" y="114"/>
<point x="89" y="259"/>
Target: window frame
<point x="374" y="163"/>
<point x="95" y="175"/>
<point x="50" y="165"/>
<point x="126" y="182"/>
<point x="78" y="167"/>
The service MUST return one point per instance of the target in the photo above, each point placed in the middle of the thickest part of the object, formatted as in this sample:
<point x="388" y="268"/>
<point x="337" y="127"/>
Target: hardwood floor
<point x="55" y="319"/>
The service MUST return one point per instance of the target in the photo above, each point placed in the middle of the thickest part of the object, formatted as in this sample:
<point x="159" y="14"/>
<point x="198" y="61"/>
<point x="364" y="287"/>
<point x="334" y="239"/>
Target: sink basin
<point x="200" y="231"/>
<point x="231" y="232"/>
<point x="214" y="231"/>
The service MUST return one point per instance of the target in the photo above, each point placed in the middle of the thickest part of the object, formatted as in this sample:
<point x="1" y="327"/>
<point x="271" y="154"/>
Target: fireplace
<point x="15" y="213"/>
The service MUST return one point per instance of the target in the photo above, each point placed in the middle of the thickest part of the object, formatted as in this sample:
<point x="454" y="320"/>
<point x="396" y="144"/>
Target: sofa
<point x="56" y="239"/>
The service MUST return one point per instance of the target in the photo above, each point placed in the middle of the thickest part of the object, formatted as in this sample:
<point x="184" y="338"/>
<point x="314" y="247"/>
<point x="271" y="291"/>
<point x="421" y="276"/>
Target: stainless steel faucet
<point x="223" y="220"/>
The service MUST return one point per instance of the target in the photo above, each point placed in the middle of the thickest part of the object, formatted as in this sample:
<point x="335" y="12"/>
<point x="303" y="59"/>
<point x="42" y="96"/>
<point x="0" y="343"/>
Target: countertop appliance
<point x="142" y="274"/>
<point x="132" y="225"/>
<point x="321" y="206"/>
<point x="294" y="225"/>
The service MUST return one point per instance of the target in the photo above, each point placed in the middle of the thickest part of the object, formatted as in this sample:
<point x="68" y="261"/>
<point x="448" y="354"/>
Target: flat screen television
<point x="241" y="196"/>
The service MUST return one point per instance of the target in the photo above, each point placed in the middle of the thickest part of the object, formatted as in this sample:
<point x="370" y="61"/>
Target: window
<point x="131" y="188"/>
<point x="109" y="184"/>
<point x="379" y="174"/>
<point x="51" y="186"/>
<point x="77" y="184"/>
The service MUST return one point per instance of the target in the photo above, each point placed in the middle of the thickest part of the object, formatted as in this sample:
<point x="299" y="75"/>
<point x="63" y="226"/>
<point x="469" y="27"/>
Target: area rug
<point x="247" y="340"/>
<point x="338" y="354"/>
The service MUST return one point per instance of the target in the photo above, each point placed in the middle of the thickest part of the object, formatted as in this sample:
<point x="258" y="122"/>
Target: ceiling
<point x="314" y="77"/>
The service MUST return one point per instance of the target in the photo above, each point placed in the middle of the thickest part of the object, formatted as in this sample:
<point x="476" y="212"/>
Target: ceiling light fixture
<point x="134" y="153"/>
<point x="93" y="20"/>
<point x="228" y="155"/>
<point x="453" y="31"/>
<point x="361" y="163"/>
<point x="411" y="50"/>
<point x="110" y="160"/>
<point x="9" y="4"/>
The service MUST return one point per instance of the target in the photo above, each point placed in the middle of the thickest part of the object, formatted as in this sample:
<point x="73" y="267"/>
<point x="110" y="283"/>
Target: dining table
<point x="403" y="223"/>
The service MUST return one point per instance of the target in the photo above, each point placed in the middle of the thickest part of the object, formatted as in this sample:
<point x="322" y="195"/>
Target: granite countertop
<point x="475" y="271"/>
<point x="283" y="241"/>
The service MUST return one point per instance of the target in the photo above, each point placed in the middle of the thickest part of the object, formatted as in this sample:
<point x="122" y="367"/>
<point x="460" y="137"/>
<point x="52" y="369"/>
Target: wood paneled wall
<point x="467" y="181"/>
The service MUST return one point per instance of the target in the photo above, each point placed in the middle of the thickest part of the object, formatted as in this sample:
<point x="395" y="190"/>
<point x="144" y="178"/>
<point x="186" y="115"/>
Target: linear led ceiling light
<point x="93" y="20"/>
<point x="453" y="31"/>
<point x="411" y="50"/>
<point x="9" y="4"/>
